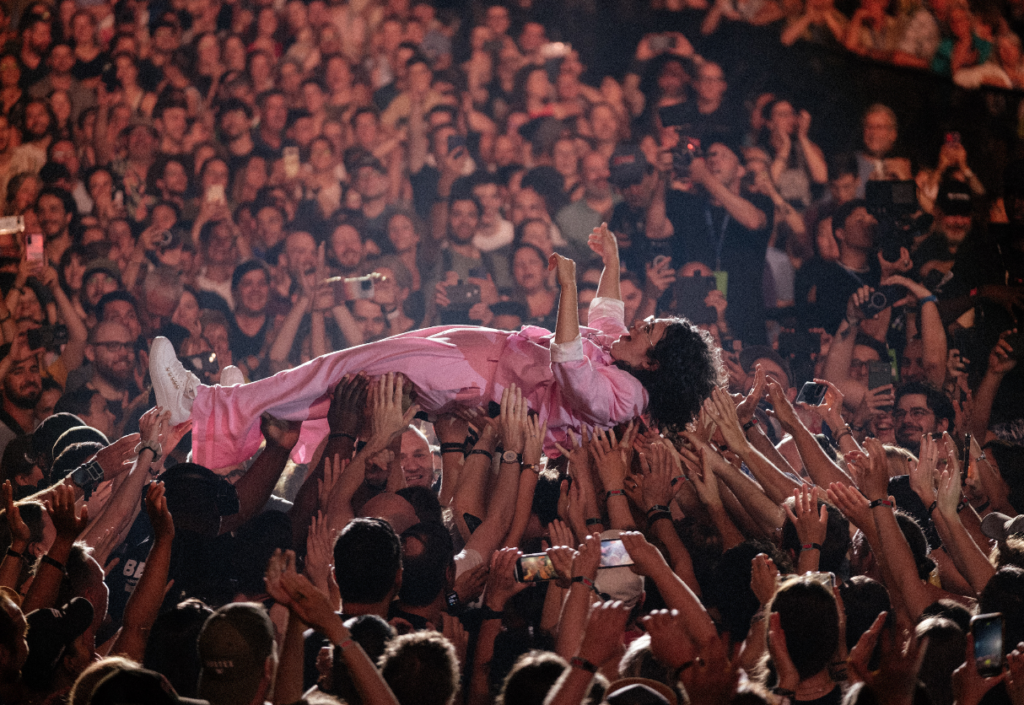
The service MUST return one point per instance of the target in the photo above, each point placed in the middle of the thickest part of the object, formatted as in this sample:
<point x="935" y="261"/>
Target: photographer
<point x="726" y="231"/>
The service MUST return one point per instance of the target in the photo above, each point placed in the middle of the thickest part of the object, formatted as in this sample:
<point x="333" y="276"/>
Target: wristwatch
<point x="452" y="598"/>
<point x="510" y="456"/>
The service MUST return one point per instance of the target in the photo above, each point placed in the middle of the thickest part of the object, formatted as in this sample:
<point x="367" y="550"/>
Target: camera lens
<point x="878" y="300"/>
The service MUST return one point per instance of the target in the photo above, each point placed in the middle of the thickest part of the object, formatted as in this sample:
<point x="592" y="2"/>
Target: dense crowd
<point x="266" y="183"/>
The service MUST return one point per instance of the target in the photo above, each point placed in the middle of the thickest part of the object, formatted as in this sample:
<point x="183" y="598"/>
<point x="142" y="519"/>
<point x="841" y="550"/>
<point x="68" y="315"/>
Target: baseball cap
<point x="52" y="427"/>
<point x="628" y="166"/>
<point x="619" y="583"/>
<point x="639" y="691"/>
<point x="1000" y="527"/>
<point x="954" y="198"/>
<point x="50" y="632"/>
<point x="137" y="686"/>
<point x="234" y="644"/>
<point x="78" y="434"/>
<point x="102" y="265"/>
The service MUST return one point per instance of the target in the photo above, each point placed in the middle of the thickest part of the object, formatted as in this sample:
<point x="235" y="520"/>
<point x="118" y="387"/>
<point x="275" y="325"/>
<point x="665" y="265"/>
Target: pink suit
<point x="568" y="385"/>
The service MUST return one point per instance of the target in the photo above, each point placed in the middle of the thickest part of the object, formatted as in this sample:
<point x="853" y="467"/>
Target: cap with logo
<point x="234" y="645"/>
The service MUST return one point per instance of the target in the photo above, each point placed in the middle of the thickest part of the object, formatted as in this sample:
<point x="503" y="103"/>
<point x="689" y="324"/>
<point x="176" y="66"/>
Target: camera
<point x="882" y="298"/>
<point x="893" y="204"/>
<point x="48" y="337"/>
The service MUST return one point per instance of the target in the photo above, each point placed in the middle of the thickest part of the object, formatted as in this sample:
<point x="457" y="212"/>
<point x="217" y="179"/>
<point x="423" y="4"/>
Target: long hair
<point x="687" y="366"/>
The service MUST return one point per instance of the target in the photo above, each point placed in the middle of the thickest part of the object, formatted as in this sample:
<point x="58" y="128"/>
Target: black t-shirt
<point x="243" y="345"/>
<point x="823" y="289"/>
<point x="630" y="225"/>
<point x="708" y="234"/>
<point x="132" y="555"/>
<point x="724" y="125"/>
<point x="424" y="190"/>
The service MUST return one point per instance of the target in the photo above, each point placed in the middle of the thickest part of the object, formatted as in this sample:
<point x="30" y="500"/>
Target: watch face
<point x="510" y="456"/>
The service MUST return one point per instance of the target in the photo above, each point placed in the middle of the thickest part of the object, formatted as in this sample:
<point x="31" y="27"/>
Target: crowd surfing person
<point x="482" y="479"/>
<point x="664" y="366"/>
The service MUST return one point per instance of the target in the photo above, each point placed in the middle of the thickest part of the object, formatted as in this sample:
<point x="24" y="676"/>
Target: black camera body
<point x="882" y="298"/>
<point x="48" y="337"/>
<point x="893" y="204"/>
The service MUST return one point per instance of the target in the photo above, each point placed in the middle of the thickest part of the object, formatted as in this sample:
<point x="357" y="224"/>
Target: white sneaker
<point x="230" y="376"/>
<point x="175" y="387"/>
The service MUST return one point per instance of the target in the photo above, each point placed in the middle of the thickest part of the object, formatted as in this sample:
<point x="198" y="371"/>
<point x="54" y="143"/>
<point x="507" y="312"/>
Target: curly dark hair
<point x="687" y="366"/>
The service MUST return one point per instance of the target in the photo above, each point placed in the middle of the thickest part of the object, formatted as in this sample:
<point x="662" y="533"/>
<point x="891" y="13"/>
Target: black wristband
<point x="582" y="664"/>
<point x="488" y="613"/>
<point x="482" y="451"/>
<point x="340" y="434"/>
<point x="14" y="554"/>
<point x="52" y="562"/>
<point x="749" y="424"/>
<point x="879" y="503"/>
<point x="657" y="508"/>
<point x="935" y="505"/>
<point x="453" y="448"/>
<point x="651" y="518"/>
<point x="983" y="507"/>
<point x="810" y="547"/>
<point x="593" y="520"/>
<point x="960" y="507"/>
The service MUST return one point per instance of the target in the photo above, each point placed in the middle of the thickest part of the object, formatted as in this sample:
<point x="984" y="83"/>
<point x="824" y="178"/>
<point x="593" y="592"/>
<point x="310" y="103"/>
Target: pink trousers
<point x="449" y="366"/>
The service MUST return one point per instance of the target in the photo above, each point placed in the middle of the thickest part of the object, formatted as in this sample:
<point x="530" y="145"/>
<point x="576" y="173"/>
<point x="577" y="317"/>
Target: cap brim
<point x="994" y="526"/>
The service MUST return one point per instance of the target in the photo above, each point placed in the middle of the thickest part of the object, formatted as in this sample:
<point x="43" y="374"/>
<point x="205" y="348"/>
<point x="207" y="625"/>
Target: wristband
<point x="482" y="451"/>
<point x="347" y="643"/>
<point x="453" y="448"/>
<point x="749" y="425"/>
<point x="582" y="664"/>
<point x="14" y="554"/>
<point x="935" y="505"/>
<point x="487" y="613"/>
<point x="155" y="448"/>
<point x="87" y="477"/>
<point x="811" y="547"/>
<point x="676" y="480"/>
<point x="845" y="432"/>
<point x="657" y="508"/>
<point x="532" y="467"/>
<point x="879" y="503"/>
<point x="651" y="518"/>
<point x="587" y="582"/>
<point x="52" y="562"/>
<point x="858" y="429"/>
<point x="983" y="507"/>
<point x="782" y="692"/>
<point x="613" y="493"/>
<point x="932" y="298"/>
<point x="593" y="520"/>
<point x="678" y="672"/>
<point x="339" y="434"/>
<point x="960" y="507"/>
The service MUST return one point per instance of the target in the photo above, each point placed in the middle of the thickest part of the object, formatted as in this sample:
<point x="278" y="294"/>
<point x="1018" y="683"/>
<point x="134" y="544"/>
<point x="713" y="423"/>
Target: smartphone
<point x="812" y="393"/>
<point x="660" y="42"/>
<point x="690" y="293"/>
<point x="352" y="288"/>
<point x="463" y="295"/>
<point x="614" y="554"/>
<point x="1016" y="341"/>
<point x="879" y="374"/>
<point x="969" y="462"/>
<point x="672" y="115"/>
<point x="456" y="142"/>
<point x="952" y="138"/>
<point x="34" y="249"/>
<point x="987" y="630"/>
<point x="535" y="568"/>
<point x="215" y="194"/>
<point x="48" y="337"/>
<point x="291" y="162"/>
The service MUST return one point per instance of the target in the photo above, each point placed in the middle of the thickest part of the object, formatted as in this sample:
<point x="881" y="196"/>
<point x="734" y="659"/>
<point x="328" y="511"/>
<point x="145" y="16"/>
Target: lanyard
<point x="721" y="235"/>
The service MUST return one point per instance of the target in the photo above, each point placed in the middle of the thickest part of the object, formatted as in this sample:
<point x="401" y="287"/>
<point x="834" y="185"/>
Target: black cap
<point x="50" y="632"/>
<point x="628" y="166"/>
<point x="136" y="686"/>
<point x="52" y="427"/>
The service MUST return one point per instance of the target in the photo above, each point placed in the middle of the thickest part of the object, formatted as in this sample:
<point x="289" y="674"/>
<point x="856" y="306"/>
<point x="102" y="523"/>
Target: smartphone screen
<point x="34" y="249"/>
<point x="215" y="193"/>
<point x="987" y="630"/>
<point x="879" y="374"/>
<point x="535" y="568"/>
<point x="614" y="554"/>
<point x="812" y="393"/>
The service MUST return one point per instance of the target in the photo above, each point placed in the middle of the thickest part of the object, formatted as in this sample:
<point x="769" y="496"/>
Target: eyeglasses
<point x="114" y="347"/>
<point x="648" y="328"/>
<point x="918" y="413"/>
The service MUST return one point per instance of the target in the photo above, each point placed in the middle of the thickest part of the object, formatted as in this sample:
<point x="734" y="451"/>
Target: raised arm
<point x="603" y="242"/>
<point x="144" y="604"/>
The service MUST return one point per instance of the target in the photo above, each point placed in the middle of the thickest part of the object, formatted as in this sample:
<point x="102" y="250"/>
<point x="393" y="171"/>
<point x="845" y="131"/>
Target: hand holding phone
<point x="987" y="630"/>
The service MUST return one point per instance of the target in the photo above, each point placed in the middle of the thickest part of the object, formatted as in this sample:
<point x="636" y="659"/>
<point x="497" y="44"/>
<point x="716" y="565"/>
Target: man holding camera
<point x="728" y="231"/>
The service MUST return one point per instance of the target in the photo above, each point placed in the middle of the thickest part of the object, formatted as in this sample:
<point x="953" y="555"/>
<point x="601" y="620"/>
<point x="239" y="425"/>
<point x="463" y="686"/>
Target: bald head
<point x="393" y="509"/>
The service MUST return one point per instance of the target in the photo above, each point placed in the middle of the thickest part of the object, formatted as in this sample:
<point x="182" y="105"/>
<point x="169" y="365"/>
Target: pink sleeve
<point x="607" y="315"/>
<point x="595" y="393"/>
